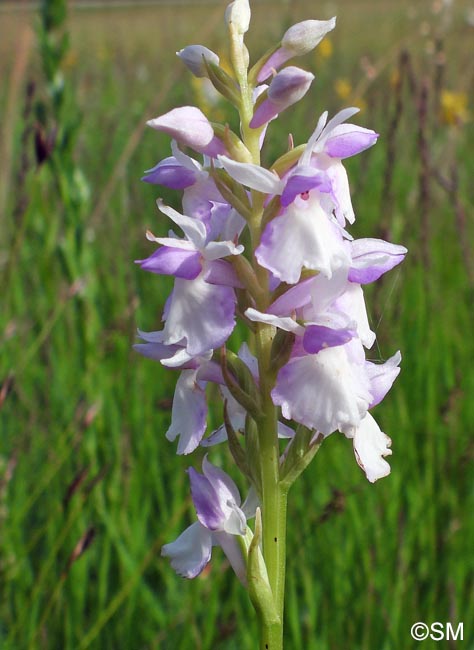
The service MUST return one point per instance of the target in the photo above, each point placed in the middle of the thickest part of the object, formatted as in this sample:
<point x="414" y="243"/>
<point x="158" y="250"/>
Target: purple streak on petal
<point x="348" y="140"/>
<point x="170" y="173"/>
<point x="371" y="258"/>
<point x="206" y="502"/>
<point x="173" y="261"/>
<point x="300" y="183"/>
<point x="319" y="337"/>
<point x="190" y="552"/>
<point x="222" y="273"/>
<point x="382" y="376"/>
<point x="276" y="60"/>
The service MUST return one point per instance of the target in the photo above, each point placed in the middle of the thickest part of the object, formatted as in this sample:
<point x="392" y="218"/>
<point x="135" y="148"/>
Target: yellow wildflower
<point x="343" y="88"/>
<point x="454" y="108"/>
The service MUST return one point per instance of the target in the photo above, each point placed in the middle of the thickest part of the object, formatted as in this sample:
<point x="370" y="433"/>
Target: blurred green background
<point x="89" y="487"/>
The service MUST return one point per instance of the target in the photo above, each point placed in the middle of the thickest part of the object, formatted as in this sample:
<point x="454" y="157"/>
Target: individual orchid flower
<point x="189" y="126"/>
<point x="304" y="234"/>
<point x="297" y="41"/>
<point x="201" y="307"/>
<point x="329" y="144"/>
<point x="221" y="518"/>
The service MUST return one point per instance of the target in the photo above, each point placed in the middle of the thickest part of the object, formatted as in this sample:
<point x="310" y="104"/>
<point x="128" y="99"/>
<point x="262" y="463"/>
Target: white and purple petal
<point x="189" y="413"/>
<point x="170" y="173"/>
<point x="200" y="313"/>
<point x="323" y="391"/>
<point x="347" y="140"/>
<point x="173" y="261"/>
<point x="320" y="337"/>
<point x="382" y="376"/>
<point x="371" y="258"/>
<point x="302" y="237"/>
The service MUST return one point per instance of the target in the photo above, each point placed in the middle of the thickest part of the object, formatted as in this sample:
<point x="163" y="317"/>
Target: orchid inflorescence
<point x="269" y="247"/>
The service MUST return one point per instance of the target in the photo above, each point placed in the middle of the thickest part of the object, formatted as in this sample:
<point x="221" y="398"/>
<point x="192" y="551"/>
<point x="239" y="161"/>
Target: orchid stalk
<point x="268" y="246"/>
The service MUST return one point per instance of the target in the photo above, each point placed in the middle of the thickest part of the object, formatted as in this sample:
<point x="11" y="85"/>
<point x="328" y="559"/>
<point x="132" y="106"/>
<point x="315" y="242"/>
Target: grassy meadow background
<point x="89" y="487"/>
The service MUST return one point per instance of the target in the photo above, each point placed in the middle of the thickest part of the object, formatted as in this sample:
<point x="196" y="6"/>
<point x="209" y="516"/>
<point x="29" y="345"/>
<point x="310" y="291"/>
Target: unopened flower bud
<point x="238" y="14"/>
<point x="297" y="40"/>
<point x="189" y="126"/>
<point x="287" y="87"/>
<point x="303" y="37"/>
<point x="194" y="57"/>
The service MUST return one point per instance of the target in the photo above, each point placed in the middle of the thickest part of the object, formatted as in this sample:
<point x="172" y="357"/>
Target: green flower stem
<point x="274" y="494"/>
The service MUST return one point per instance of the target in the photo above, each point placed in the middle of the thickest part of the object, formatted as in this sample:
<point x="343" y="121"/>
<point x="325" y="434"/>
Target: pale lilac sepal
<point x="217" y="500"/>
<point x="370" y="447"/>
<point x="188" y="414"/>
<point x="158" y="351"/>
<point x="173" y="261"/>
<point x="382" y="376"/>
<point x="371" y="258"/>
<point x="222" y="273"/>
<point x="170" y="173"/>
<point x="293" y="299"/>
<point x="348" y="140"/>
<point x="190" y="552"/>
<point x="319" y="337"/>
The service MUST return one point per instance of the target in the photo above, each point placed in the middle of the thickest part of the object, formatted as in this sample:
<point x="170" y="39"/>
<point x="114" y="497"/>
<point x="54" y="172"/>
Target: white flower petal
<point x="253" y="176"/>
<point x="194" y="229"/>
<point x="190" y="552"/>
<point x="284" y="323"/>
<point x="370" y="446"/>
